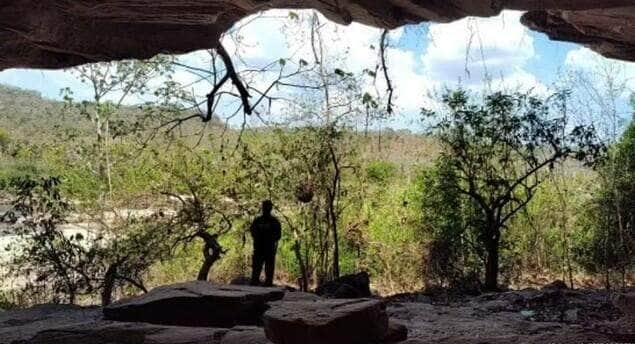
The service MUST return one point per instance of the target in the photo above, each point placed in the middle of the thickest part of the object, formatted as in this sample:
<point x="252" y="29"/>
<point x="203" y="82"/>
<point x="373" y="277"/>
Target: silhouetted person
<point x="265" y="231"/>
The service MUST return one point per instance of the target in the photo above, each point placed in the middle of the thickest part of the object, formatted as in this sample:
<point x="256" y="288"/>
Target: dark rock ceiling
<point x="63" y="33"/>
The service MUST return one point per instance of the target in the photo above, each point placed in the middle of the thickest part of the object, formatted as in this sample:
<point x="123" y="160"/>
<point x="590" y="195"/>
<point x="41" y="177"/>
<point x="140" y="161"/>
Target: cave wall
<point x="64" y="33"/>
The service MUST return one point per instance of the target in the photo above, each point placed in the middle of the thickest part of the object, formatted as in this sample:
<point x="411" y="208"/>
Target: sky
<point x="497" y="52"/>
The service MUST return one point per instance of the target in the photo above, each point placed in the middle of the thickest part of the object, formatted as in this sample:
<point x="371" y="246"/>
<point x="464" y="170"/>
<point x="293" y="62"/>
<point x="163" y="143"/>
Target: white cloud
<point x="411" y="86"/>
<point x="600" y="89"/>
<point x="585" y="59"/>
<point x="475" y="50"/>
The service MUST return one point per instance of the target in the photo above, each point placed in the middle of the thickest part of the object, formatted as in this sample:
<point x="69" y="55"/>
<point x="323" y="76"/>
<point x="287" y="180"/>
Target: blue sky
<point x="422" y="59"/>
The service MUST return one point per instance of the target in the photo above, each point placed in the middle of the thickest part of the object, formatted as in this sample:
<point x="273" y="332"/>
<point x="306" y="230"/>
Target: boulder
<point x="197" y="303"/>
<point x="555" y="285"/>
<point x="346" y="287"/>
<point x="350" y="321"/>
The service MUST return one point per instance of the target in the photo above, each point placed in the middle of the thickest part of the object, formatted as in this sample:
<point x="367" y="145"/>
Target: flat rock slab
<point x="17" y="325"/>
<point x="110" y="332"/>
<point x="301" y="296"/>
<point x="196" y="303"/>
<point x="245" y="335"/>
<point x="350" y="321"/>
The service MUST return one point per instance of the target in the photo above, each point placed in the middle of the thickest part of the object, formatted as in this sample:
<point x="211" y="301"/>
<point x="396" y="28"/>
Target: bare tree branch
<point x="382" y="53"/>
<point x="231" y="72"/>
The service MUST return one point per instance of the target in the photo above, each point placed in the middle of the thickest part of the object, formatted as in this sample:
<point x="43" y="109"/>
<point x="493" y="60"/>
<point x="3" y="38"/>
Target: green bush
<point x="379" y="171"/>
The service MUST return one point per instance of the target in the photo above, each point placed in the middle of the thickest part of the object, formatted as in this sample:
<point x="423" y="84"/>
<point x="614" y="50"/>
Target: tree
<point x="62" y="265"/>
<point x="206" y="209"/>
<point x="303" y="172"/>
<point x="500" y="150"/>
<point x="446" y="220"/>
<point x="112" y="84"/>
<point x="598" y="94"/>
<point x="195" y="220"/>
<point x="609" y="240"/>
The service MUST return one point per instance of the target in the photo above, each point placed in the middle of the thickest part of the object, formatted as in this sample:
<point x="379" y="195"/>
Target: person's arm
<point x="252" y="229"/>
<point x="277" y="230"/>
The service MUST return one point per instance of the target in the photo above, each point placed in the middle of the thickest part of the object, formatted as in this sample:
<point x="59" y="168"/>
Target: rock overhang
<point x="65" y="33"/>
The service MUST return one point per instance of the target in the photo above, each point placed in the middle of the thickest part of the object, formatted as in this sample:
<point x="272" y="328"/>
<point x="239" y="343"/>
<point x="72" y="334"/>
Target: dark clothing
<point x="265" y="231"/>
<point x="256" y="268"/>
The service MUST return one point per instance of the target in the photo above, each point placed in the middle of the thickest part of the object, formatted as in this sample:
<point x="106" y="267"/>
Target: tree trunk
<point x="304" y="282"/>
<point x="332" y="218"/>
<point x="336" y="252"/>
<point x="211" y="253"/>
<point x="491" y="263"/>
<point x="71" y="296"/>
<point x="333" y="194"/>
<point x="109" y="285"/>
<point x="203" y="272"/>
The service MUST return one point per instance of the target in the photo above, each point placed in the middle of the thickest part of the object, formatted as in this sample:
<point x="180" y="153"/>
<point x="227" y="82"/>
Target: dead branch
<point x="231" y="72"/>
<point x="382" y="53"/>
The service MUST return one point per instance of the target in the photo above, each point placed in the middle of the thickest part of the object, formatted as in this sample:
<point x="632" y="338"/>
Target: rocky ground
<point x="199" y="312"/>
<point x="554" y="315"/>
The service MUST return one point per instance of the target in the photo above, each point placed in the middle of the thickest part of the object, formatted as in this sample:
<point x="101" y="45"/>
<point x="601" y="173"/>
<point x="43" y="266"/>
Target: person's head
<point x="267" y="206"/>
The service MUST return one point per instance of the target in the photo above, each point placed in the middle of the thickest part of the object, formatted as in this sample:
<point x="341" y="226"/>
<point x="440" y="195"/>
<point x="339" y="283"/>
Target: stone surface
<point x="357" y="321"/>
<point x="346" y="287"/>
<point x="65" y="324"/>
<point x="245" y="335"/>
<point x="62" y="33"/>
<point x="108" y="332"/>
<point x="624" y="327"/>
<point x="563" y="337"/>
<point x="550" y="304"/>
<point x="196" y="303"/>
<point x="502" y="318"/>
<point x="22" y="324"/>
<point x="489" y="318"/>
<point x="111" y="332"/>
<point x="397" y="332"/>
<point x="609" y="31"/>
<point x="300" y="296"/>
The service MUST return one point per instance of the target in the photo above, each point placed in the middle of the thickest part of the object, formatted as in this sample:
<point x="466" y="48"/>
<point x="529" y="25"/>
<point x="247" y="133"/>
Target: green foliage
<point x="5" y="141"/>
<point x="387" y="241"/>
<point x="448" y="219"/>
<point x="380" y="171"/>
<point x="47" y="252"/>
<point x="499" y="151"/>
<point x="398" y="209"/>
<point x="65" y="264"/>
<point x="6" y="302"/>
<point x="609" y="240"/>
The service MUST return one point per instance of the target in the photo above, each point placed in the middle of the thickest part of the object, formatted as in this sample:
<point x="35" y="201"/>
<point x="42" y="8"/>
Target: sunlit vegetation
<point x="101" y="199"/>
